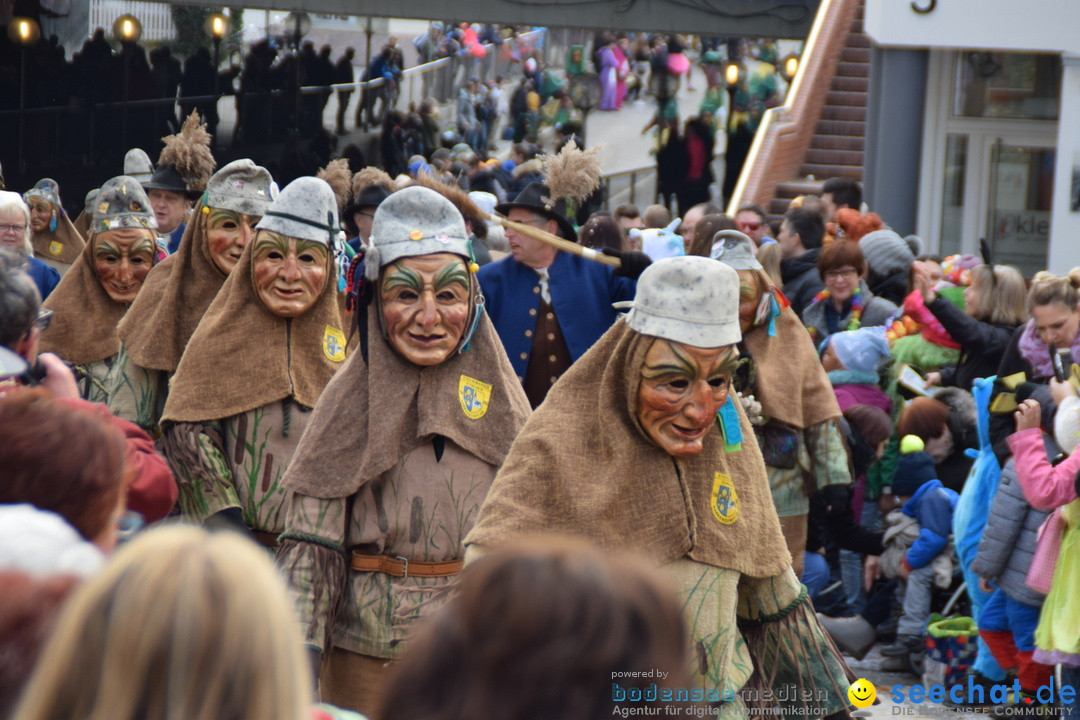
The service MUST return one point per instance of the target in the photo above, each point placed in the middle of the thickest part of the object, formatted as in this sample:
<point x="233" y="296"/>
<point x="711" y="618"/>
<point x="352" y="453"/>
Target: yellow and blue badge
<point x="724" y="499"/>
<point x="474" y="396"/>
<point x="333" y="344"/>
<point x="56" y="247"/>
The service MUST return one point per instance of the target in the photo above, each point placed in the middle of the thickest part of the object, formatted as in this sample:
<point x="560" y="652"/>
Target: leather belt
<point x="402" y="567"/>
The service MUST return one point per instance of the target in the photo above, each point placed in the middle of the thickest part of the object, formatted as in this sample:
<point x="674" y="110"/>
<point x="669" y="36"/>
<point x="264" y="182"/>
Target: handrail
<point x="778" y="151"/>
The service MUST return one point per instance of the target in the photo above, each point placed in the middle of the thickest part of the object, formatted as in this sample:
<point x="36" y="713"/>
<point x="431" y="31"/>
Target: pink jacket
<point x="1045" y="486"/>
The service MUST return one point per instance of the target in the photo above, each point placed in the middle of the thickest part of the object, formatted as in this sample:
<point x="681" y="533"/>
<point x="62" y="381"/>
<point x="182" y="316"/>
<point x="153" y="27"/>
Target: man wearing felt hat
<point x="183" y="169"/>
<point x="550" y="306"/>
<point x="643" y="446"/>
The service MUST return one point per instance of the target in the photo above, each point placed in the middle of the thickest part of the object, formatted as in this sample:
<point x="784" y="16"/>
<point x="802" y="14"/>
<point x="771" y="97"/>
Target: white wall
<point x="1030" y="25"/>
<point x="1064" y="222"/>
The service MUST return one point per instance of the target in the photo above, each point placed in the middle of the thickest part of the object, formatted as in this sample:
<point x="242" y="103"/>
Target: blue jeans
<point x="815" y="575"/>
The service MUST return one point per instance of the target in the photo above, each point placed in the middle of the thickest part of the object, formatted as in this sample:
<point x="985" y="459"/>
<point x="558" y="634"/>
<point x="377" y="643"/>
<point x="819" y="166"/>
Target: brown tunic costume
<point x="583" y="465"/>
<point x="59" y="249"/>
<point x="241" y="397"/>
<point x="396" y="462"/>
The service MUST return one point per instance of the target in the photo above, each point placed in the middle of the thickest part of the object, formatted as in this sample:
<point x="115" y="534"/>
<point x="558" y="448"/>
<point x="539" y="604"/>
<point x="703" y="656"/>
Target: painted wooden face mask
<point x="682" y="389"/>
<point x="122" y="259"/>
<point x="425" y="306"/>
<point x="227" y="234"/>
<point x="289" y="273"/>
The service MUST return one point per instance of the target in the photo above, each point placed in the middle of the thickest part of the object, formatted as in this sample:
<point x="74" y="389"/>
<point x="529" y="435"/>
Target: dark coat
<point x="801" y="279"/>
<point x="982" y="344"/>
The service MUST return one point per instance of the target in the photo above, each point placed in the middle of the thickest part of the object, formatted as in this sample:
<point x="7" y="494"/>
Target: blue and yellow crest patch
<point x="474" y="396"/>
<point x="333" y="344"/>
<point x="56" y="247"/>
<point x="724" y="500"/>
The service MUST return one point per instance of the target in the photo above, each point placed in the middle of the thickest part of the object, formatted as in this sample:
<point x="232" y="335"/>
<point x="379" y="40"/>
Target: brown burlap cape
<point x="583" y="465"/>
<point x="83" y="327"/>
<point x="170" y="304"/>
<point x="376" y="412"/>
<point x="242" y="356"/>
<point x="791" y="385"/>
<point x="70" y="242"/>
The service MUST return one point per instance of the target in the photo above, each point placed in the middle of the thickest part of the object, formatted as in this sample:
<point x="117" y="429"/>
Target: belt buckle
<point x="405" y="561"/>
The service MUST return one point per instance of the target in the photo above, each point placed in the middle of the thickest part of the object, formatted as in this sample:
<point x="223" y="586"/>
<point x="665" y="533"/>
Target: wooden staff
<point x="554" y="240"/>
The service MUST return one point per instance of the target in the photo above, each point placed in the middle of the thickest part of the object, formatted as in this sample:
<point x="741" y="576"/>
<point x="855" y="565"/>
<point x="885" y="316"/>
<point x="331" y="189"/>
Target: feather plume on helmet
<point x="188" y="152"/>
<point x="337" y="176"/>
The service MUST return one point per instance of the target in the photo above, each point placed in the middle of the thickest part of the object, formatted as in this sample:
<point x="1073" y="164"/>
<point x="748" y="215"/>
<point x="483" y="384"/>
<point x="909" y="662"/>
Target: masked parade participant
<point x="416" y="425"/>
<point x="55" y="239"/>
<point x="156" y="329"/>
<point x="642" y="446"/>
<point x="93" y="296"/>
<point x="798" y="426"/>
<point x="256" y="365"/>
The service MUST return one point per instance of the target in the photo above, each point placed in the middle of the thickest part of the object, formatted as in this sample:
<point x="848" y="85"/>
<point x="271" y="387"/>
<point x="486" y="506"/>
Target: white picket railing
<point x="156" y="18"/>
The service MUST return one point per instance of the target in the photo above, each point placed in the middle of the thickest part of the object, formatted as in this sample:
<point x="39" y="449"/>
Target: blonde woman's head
<point x="182" y="625"/>
<point x="1052" y="302"/>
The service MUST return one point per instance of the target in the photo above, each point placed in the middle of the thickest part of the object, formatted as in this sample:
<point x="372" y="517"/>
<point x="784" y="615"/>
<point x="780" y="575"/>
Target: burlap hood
<point x="583" y="465"/>
<point x="376" y="412"/>
<point x="62" y="246"/>
<point x="170" y="304"/>
<point x="83" y="328"/>
<point x="791" y="384"/>
<point x="241" y="356"/>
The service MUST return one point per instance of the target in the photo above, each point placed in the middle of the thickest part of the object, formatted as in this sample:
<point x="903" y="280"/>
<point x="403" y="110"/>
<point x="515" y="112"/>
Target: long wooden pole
<point x="554" y="240"/>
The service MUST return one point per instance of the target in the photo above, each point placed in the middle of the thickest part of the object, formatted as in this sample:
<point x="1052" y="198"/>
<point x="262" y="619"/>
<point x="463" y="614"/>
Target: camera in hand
<point x="1062" y="362"/>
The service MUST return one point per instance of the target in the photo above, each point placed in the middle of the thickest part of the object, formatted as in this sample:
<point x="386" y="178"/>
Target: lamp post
<point x="789" y="66"/>
<point x="24" y="32"/>
<point x="127" y="29"/>
<point x="216" y="27"/>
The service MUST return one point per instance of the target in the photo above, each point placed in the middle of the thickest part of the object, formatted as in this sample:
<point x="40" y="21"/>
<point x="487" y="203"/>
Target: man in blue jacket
<point x="549" y="306"/>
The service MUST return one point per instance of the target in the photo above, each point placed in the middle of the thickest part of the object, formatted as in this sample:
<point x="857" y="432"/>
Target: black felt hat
<point x="536" y="197"/>
<point x="166" y="177"/>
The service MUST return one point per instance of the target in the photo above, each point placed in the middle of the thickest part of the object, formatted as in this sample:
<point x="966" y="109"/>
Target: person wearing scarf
<point x="104" y="280"/>
<point x="400" y="452"/>
<point x="156" y="329"/>
<point x="256" y="365"/>
<point x="799" y="429"/>
<point x="55" y="239"/>
<point x="642" y="446"/>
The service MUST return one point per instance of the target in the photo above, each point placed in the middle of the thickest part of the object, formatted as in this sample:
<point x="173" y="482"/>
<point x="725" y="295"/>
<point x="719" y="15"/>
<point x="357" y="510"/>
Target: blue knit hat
<point x="863" y="350"/>
<point x="914" y="467"/>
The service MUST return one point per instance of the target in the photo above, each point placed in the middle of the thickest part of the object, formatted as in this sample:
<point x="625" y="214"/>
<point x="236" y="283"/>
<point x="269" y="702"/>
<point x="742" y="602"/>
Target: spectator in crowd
<point x="800" y="238"/>
<point x="628" y="217"/>
<point x="845" y="303"/>
<point x="752" y="221"/>
<point x="838" y="193"/>
<point x="15" y="233"/>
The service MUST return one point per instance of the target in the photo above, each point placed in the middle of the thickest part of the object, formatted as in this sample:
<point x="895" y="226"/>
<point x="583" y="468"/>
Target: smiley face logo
<point x="862" y="693"/>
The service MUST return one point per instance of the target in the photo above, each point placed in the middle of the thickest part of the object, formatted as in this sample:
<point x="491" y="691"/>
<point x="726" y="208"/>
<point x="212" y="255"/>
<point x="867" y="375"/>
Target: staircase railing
<point x="783" y="138"/>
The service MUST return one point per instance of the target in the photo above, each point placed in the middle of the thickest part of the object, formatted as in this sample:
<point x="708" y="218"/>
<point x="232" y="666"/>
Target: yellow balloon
<point x="862" y="693"/>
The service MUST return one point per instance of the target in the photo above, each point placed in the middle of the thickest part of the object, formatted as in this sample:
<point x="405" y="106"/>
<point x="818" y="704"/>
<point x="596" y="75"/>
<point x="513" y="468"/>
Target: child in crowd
<point x="927" y="558"/>
<point x="852" y="359"/>
<point x="1057" y="637"/>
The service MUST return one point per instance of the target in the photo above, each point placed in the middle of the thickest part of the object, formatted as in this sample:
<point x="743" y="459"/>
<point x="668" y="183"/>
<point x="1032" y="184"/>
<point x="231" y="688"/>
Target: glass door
<point x="1021" y="181"/>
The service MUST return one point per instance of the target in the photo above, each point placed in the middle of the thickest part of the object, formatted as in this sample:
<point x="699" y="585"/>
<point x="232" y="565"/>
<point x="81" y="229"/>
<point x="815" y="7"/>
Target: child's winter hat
<point x="862" y="350"/>
<point x="914" y="467"/>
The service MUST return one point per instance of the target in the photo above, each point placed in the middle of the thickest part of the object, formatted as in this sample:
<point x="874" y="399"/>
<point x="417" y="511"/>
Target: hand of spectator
<point x="871" y="571"/>
<point x="1028" y="416"/>
<point x="59" y="379"/>
<point x="632" y="263"/>
<point x="886" y="504"/>
<point x="923" y="283"/>
<point x="985" y="585"/>
<point x="1061" y="390"/>
<point x="902" y="570"/>
<point x="933" y="378"/>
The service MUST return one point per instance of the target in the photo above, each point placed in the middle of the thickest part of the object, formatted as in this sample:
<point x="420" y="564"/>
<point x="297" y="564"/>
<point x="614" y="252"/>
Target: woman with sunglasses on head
<point x="846" y="303"/>
<point x="993" y="309"/>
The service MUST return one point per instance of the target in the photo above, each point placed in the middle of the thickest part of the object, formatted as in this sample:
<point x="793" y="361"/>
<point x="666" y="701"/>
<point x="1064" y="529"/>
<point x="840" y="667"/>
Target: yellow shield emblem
<point x="474" y="396"/>
<point x="333" y="344"/>
<point x="724" y="501"/>
<point x="56" y="247"/>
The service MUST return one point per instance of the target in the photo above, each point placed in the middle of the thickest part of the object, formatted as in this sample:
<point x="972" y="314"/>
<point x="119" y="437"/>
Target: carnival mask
<point x="122" y="259"/>
<point x="425" y="306"/>
<point x="41" y="214"/>
<point x="682" y="389"/>
<point x="227" y="234"/>
<point x="289" y="273"/>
